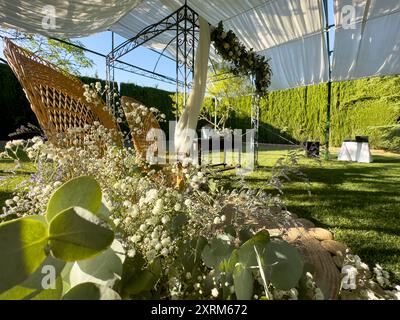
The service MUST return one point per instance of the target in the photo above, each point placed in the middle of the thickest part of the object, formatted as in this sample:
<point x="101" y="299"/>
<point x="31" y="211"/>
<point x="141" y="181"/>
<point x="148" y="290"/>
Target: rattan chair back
<point x="56" y="98"/>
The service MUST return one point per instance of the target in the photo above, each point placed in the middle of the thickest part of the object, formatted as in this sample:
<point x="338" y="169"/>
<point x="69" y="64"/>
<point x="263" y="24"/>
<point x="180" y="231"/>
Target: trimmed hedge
<point x="369" y="106"/>
<point x="14" y="106"/>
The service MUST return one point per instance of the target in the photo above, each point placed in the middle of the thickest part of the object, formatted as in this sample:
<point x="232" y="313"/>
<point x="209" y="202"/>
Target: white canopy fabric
<point x="60" y="18"/>
<point x="370" y="44"/>
<point x="290" y="32"/>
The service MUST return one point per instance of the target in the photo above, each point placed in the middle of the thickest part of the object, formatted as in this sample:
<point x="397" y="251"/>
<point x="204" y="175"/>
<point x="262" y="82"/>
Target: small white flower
<point x="166" y="242"/>
<point x="131" y="253"/>
<point x="127" y="203"/>
<point x="134" y="211"/>
<point x="143" y="227"/>
<point x="217" y="220"/>
<point x="214" y="292"/>
<point x="9" y="202"/>
<point x="151" y="255"/>
<point x="223" y="218"/>
<point x="128" y="220"/>
<point x="164" y="252"/>
<point x="177" y="207"/>
<point x="165" y="219"/>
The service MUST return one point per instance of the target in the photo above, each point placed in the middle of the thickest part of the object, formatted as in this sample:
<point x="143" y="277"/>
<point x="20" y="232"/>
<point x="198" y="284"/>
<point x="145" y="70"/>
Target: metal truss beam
<point x="170" y="23"/>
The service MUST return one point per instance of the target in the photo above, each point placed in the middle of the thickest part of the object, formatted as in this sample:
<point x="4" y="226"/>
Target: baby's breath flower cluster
<point x="161" y="223"/>
<point x="359" y="283"/>
<point x="94" y="92"/>
<point x="138" y="114"/>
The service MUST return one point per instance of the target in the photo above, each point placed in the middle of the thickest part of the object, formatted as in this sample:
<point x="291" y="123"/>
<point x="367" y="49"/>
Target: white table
<point x="355" y="151"/>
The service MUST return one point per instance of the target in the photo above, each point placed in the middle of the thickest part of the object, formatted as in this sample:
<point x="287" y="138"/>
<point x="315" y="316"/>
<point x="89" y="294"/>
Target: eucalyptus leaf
<point x="91" y="291"/>
<point x="244" y="282"/>
<point x="44" y="284"/>
<point x="84" y="192"/>
<point x="215" y="252"/>
<point x="246" y="253"/>
<point x="284" y="266"/>
<point x="143" y="280"/>
<point x="22" y="247"/>
<point x="104" y="269"/>
<point x="77" y="234"/>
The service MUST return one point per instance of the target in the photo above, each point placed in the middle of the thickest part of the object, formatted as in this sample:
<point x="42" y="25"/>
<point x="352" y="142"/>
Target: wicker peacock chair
<point x="56" y="98"/>
<point x="140" y="131"/>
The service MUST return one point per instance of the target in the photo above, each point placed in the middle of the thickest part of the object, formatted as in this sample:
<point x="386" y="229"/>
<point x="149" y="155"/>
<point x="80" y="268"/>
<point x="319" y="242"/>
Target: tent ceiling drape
<point x="72" y="18"/>
<point x="290" y="32"/>
<point x="370" y="46"/>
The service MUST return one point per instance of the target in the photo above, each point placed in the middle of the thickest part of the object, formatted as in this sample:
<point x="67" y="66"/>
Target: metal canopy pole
<point x="255" y="120"/>
<point x="329" y="84"/>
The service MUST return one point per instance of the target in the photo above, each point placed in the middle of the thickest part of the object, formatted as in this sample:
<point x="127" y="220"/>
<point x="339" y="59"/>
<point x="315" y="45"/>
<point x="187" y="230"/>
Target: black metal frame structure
<point x="183" y="25"/>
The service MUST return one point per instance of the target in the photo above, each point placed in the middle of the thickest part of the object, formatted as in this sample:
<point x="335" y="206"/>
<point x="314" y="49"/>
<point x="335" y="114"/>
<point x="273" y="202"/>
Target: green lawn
<point x="359" y="203"/>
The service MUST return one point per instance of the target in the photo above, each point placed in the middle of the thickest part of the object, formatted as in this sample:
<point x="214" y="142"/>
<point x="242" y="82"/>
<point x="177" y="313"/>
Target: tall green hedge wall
<point x="14" y="107"/>
<point x="368" y="106"/>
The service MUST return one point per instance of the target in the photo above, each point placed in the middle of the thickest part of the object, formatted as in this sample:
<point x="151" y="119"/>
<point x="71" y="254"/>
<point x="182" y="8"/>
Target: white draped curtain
<point x="186" y="126"/>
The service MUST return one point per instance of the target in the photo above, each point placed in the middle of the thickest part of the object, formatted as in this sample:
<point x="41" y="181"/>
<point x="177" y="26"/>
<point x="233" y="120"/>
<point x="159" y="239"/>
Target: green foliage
<point x="91" y="291"/>
<point x="69" y="58"/>
<point x="72" y="234"/>
<point x="215" y="252"/>
<point x="82" y="192"/>
<point x="368" y="106"/>
<point x="77" y="234"/>
<point x="283" y="265"/>
<point x="22" y="247"/>
<point x="260" y="258"/>
<point x="244" y="62"/>
<point x="244" y="282"/>
<point x="140" y="279"/>
<point x="105" y="268"/>
<point x="32" y="287"/>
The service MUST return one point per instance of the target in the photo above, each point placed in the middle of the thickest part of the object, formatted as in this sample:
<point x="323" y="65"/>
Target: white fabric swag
<point x="290" y="32"/>
<point x="367" y="39"/>
<point x="61" y="18"/>
<point x="186" y="126"/>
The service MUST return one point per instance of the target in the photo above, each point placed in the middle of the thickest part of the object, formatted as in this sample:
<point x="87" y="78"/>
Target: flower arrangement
<point x="244" y="62"/>
<point x="141" y="238"/>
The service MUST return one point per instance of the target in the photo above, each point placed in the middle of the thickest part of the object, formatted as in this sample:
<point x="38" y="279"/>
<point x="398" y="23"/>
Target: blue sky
<point x="142" y="57"/>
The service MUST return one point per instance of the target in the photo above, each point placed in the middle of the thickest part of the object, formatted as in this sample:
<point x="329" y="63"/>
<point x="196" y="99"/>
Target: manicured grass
<point x="359" y="203"/>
